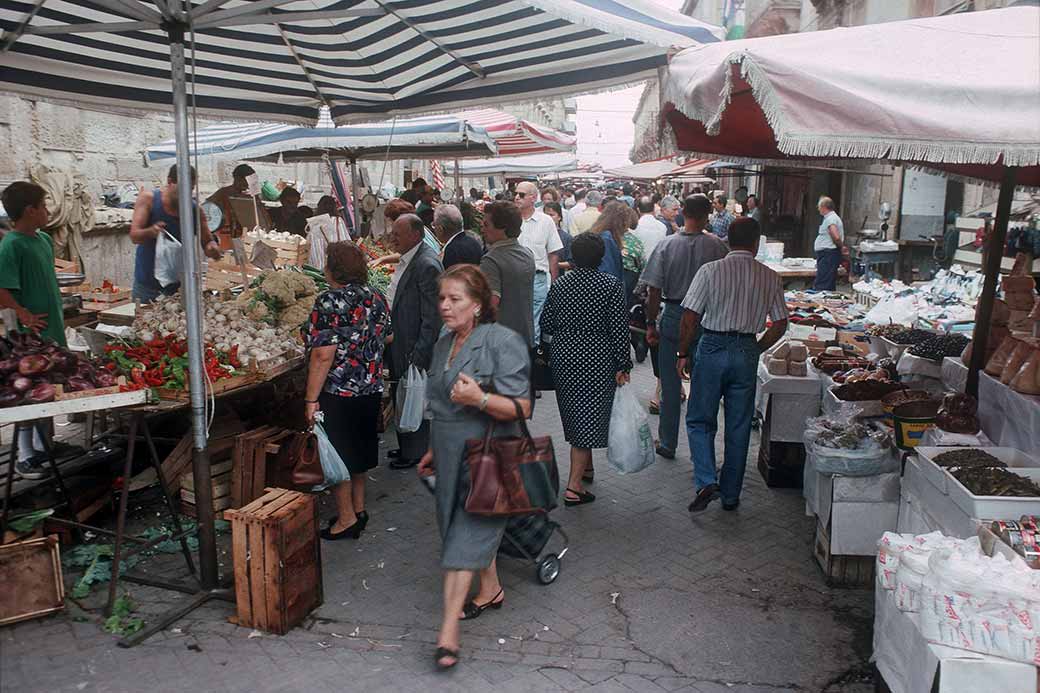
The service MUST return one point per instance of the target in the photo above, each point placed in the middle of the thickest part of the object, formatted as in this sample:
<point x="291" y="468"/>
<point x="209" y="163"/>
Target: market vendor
<point x="154" y="211"/>
<point x="829" y="246"/>
<point x="282" y="216"/>
<point x="239" y="185"/>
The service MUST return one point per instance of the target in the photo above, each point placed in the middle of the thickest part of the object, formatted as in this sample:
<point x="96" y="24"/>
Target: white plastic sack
<point x="169" y="263"/>
<point x="332" y="465"/>
<point x="411" y="400"/>
<point x="630" y="443"/>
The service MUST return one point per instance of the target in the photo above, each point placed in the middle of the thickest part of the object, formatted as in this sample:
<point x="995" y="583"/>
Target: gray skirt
<point x="469" y="542"/>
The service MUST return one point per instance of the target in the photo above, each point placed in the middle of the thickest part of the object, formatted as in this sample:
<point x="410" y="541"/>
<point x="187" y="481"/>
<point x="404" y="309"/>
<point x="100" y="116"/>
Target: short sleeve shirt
<point x="736" y="294"/>
<point x="27" y="271"/>
<point x="356" y="320"/>
<point x="509" y="268"/>
<point x="677" y="258"/>
<point x="823" y="236"/>
<point x="538" y="234"/>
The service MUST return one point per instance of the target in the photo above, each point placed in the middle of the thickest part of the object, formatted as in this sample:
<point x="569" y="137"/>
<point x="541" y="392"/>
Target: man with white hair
<point x="670" y="215"/>
<point x="539" y="235"/>
<point x="460" y="248"/>
<point x="581" y="223"/>
<point x="649" y="230"/>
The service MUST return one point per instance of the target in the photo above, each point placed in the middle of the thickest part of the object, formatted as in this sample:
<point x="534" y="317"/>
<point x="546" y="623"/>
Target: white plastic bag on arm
<point x="411" y="395"/>
<point x="169" y="263"/>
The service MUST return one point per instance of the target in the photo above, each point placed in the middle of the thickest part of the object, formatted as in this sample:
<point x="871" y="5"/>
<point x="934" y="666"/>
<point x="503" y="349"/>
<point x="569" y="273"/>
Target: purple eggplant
<point x="22" y="384"/>
<point x="8" y="366"/>
<point x="41" y="394"/>
<point x="9" y="397"/>
<point x="33" y="365"/>
<point x="79" y="384"/>
<point x="104" y="379"/>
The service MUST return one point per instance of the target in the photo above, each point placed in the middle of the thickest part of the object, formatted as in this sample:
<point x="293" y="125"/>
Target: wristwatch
<point x="680" y="355"/>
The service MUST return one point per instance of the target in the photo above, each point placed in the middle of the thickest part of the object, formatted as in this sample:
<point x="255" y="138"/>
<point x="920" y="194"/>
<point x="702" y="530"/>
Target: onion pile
<point x="31" y="367"/>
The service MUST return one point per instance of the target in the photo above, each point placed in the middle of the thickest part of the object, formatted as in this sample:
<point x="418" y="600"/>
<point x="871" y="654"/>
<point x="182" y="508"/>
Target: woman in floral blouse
<point x="347" y="332"/>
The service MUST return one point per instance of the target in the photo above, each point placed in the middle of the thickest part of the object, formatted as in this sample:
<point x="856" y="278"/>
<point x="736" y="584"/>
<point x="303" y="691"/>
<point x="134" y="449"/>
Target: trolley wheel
<point x="548" y="569"/>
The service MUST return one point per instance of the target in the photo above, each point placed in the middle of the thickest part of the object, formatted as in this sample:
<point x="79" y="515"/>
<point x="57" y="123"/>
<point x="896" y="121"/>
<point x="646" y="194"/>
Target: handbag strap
<point x="519" y="417"/>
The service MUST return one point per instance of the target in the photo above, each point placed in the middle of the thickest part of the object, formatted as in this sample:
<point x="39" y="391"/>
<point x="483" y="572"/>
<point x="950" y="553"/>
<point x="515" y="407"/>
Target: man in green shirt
<point x="29" y="286"/>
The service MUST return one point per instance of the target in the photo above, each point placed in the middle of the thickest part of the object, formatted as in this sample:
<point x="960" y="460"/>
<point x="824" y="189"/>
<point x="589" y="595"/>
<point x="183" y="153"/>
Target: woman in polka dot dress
<point x="589" y="355"/>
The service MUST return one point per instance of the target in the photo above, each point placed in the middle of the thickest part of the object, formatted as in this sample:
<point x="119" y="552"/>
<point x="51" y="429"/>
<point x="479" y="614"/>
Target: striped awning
<point x="404" y="138"/>
<point x="645" y="171"/>
<point x="517" y="167"/>
<point x="518" y="137"/>
<point x="280" y="60"/>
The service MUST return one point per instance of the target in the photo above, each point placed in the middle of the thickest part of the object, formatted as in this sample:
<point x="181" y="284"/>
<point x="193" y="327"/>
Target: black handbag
<point x="541" y="373"/>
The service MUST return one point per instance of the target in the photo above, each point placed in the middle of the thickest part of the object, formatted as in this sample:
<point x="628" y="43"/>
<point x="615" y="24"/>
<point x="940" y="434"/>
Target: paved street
<point x="646" y="601"/>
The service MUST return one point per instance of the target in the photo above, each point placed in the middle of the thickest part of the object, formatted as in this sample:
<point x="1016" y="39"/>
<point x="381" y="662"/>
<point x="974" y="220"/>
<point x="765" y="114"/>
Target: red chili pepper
<point x="137" y="376"/>
<point x="233" y="357"/>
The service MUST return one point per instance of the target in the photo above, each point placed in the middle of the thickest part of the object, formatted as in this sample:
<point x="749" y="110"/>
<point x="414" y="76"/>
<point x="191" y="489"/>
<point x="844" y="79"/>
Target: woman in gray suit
<point x="479" y="370"/>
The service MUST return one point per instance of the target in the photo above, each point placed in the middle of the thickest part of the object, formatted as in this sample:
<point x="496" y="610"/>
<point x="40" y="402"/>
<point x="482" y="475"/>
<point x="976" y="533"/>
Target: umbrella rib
<point x="91" y="28"/>
<point x="131" y="8"/>
<point x="220" y="20"/>
<point x="207" y="7"/>
<point x="475" y="68"/>
<point x="10" y="37"/>
<point x="299" y="61"/>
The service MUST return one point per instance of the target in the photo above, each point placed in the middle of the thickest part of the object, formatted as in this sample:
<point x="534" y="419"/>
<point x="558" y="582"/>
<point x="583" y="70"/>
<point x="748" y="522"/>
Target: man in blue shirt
<point x="722" y="218"/>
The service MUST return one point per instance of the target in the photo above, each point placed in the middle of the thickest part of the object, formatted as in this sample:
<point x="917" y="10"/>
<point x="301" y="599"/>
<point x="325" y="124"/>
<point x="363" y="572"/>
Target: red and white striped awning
<point x="691" y="169"/>
<point x="516" y="136"/>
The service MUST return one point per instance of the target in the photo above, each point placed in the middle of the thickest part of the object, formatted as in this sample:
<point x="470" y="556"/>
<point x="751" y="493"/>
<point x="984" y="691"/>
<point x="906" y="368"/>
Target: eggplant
<point x="22" y="384"/>
<point x="8" y="366"/>
<point x="33" y="365"/>
<point x="9" y="397"/>
<point x="105" y="379"/>
<point x="76" y="384"/>
<point x="41" y="394"/>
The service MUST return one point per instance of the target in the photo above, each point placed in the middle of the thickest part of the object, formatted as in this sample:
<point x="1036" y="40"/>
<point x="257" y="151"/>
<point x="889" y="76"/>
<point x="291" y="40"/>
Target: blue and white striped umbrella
<point x="405" y="138"/>
<point x="281" y="60"/>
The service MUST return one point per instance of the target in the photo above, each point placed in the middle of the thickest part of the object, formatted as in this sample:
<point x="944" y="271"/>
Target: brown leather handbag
<point x="514" y="475"/>
<point x="302" y="453"/>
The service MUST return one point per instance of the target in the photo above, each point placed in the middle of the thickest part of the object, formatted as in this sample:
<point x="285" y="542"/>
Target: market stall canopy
<point x="691" y="169"/>
<point x="280" y="60"/>
<point x="518" y="137"/>
<point x="646" y="171"/>
<point x="521" y="166"/>
<point x="959" y="93"/>
<point x="419" y="138"/>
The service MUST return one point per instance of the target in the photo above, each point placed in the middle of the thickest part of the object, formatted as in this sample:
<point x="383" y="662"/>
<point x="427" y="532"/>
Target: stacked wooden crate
<point x="253" y="458"/>
<point x="277" y="559"/>
<point x="291" y="253"/>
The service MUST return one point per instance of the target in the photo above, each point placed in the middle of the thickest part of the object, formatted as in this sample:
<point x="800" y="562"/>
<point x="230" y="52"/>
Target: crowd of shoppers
<point x="469" y="315"/>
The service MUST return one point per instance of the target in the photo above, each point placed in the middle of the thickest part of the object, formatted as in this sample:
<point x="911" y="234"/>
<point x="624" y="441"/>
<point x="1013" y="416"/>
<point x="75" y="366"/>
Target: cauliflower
<point x="296" y="314"/>
<point x="280" y="287"/>
<point x="257" y="312"/>
<point x="302" y="284"/>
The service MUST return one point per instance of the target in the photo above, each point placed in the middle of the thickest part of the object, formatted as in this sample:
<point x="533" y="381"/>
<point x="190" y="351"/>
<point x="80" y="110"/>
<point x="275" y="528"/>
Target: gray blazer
<point x="416" y="320"/>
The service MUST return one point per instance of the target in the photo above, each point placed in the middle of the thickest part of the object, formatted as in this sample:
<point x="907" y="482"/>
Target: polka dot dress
<point x="585" y="314"/>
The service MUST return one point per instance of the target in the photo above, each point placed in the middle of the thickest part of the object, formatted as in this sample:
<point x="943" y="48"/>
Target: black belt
<point x="729" y="334"/>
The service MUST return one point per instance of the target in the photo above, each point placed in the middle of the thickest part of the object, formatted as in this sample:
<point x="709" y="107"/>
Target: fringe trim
<point x="847" y="146"/>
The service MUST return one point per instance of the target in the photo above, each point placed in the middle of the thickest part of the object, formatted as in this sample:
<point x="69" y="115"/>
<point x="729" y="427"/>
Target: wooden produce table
<point x="793" y="277"/>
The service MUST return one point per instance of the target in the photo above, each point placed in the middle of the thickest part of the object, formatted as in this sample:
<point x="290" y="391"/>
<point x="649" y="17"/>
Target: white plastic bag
<point x="411" y="400"/>
<point x="630" y="443"/>
<point x="169" y="263"/>
<point x="332" y="465"/>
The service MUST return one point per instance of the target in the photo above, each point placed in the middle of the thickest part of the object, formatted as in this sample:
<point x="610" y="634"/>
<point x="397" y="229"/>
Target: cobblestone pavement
<point x="647" y="600"/>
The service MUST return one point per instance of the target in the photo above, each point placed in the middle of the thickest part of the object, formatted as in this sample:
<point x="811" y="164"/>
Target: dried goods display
<point x="835" y="364"/>
<point x="31" y="367"/>
<point x="865" y="390"/>
<point x="958" y="414"/>
<point x="967" y="457"/>
<point x="889" y="330"/>
<point x="939" y="347"/>
<point x="993" y="481"/>
<point x="912" y="336"/>
<point x="845" y="436"/>
<point x="860" y="374"/>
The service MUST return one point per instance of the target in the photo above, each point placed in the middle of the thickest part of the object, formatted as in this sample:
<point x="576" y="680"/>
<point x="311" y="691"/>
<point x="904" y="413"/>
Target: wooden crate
<point x="119" y="295"/>
<point x="61" y="395"/>
<point x="841" y="570"/>
<point x="288" y="253"/>
<point x="277" y="559"/>
<point x="30" y="572"/>
<point x="220" y="479"/>
<point x="178" y="462"/>
<point x="254" y="452"/>
<point x="220" y="387"/>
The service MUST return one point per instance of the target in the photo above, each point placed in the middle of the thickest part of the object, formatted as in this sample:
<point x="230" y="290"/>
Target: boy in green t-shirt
<point x="29" y="286"/>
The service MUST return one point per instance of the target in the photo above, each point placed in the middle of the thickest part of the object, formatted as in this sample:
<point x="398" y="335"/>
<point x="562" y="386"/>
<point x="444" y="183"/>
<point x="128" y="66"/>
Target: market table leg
<point x="9" y="481"/>
<point x="124" y="495"/>
<point x="157" y="466"/>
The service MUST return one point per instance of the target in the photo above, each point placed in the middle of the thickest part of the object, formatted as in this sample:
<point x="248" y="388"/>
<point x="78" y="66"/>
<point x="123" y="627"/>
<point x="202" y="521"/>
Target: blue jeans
<point x="541" y="290"/>
<point x="725" y="369"/>
<point x="671" y="387"/>
<point x="827" y="262"/>
<point x="145" y="293"/>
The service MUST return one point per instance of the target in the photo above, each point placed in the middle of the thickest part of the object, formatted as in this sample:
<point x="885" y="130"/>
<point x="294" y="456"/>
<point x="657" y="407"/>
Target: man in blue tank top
<point x="154" y="211"/>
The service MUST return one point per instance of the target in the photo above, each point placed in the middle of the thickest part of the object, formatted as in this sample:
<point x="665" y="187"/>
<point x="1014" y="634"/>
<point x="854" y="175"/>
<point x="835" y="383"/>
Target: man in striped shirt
<point x="729" y="299"/>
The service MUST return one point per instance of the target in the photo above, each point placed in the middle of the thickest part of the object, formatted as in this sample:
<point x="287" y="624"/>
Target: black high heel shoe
<point x="472" y="610"/>
<point x="362" y="518"/>
<point x="583" y="497"/>
<point x="351" y="532"/>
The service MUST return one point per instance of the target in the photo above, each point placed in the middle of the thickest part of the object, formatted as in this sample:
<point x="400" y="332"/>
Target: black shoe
<point x="472" y="610"/>
<point x="32" y="468"/>
<point x="351" y="532"/>
<point x="705" y="496"/>
<point x="403" y="463"/>
<point x="445" y="653"/>
<point x="583" y="498"/>
<point x="393" y="454"/>
<point x="665" y="453"/>
<point x="537" y="394"/>
<point x="362" y="518"/>
<point x="61" y="449"/>
<point x="730" y="507"/>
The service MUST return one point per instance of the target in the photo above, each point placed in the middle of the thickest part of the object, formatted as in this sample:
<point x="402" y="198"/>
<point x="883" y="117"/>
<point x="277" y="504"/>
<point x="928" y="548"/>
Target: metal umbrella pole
<point x="991" y="271"/>
<point x="353" y="194"/>
<point x="207" y="535"/>
<point x="458" y="182"/>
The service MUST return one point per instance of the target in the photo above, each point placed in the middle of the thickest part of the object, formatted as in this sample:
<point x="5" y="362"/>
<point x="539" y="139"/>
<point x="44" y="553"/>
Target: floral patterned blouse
<point x="632" y="255"/>
<point x="357" y="320"/>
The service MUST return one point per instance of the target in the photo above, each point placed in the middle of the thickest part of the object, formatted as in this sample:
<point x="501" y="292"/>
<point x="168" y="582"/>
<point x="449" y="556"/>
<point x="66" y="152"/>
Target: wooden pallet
<point x="277" y="560"/>
<point x="254" y="452"/>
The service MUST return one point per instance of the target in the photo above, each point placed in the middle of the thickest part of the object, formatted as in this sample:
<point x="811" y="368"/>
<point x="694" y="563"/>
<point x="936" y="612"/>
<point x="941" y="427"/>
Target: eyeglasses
<point x="519" y="194"/>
